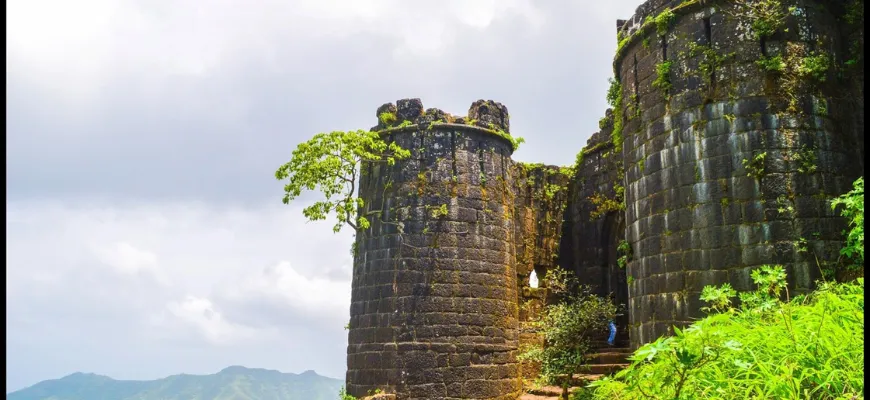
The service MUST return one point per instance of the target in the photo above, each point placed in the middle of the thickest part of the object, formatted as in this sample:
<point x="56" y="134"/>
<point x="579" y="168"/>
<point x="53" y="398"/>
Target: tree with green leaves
<point x="332" y="163"/>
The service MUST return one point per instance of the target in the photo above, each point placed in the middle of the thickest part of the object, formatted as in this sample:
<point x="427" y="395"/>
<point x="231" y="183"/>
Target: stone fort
<point x="733" y="123"/>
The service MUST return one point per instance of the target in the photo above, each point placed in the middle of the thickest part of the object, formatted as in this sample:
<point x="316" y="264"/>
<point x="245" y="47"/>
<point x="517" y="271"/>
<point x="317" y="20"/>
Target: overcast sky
<point x="145" y="232"/>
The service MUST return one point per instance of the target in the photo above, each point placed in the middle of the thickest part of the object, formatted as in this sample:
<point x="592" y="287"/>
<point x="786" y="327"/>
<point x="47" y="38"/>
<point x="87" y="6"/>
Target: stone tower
<point x="434" y="297"/>
<point x="736" y="130"/>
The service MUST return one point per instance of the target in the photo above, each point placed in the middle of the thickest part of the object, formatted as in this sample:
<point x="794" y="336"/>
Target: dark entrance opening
<point x="614" y="282"/>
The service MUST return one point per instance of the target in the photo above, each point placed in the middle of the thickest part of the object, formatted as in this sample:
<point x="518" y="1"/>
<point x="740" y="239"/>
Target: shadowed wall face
<point x="596" y="227"/>
<point x="541" y="194"/>
<point x="434" y="296"/>
<point x="729" y="165"/>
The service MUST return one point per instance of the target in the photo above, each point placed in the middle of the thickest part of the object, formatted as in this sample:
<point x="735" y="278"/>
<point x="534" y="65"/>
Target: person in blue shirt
<point x="612" y="338"/>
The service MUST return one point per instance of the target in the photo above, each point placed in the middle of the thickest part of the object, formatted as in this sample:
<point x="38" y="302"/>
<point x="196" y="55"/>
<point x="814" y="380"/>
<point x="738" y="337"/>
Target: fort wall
<point x="434" y="296"/>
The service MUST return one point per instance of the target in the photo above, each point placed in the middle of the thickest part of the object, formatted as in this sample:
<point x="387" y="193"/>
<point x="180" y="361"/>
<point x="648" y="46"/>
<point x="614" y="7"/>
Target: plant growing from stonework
<point x="772" y="64"/>
<point x="814" y="66"/>
<point x="440" y="211"/>
<point x="387" y="118"/>
<point x="624" y="252"/>
<point x="614" y="98"/>
<point x="765" y="17"/>
<point x="604" y="205"/>
<point x="663" y="77"/>
<point x="755" y="166"/>
<point x="664" y="21"/>
<point x="852" y="204"/>
<point x="806" y="160"/>
<point x="331" y="163"/>
<point x="567" y="326"/>
<point x="516" y="141"/>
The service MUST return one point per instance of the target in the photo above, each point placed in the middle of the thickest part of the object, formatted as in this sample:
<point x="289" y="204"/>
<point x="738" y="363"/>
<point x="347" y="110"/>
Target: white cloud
<point x="201" y="313"/>
<point x="315" y="296"/>
<point x="75" y="49"/>
<point x="116" y="277"/>
<point x="126" y="259"/>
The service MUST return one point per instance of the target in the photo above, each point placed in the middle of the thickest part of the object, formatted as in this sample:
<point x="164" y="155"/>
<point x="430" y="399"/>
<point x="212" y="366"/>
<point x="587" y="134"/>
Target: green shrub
<point x="853" y="209"/>
<point x="567" y="326"/>
<point x="810" y="347"/>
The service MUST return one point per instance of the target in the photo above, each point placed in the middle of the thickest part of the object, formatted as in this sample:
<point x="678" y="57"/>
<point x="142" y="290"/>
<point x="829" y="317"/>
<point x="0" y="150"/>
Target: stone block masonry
<point x="595" y="220"/>
<point x="729" y="162"/>
<point x="434" y="296"/>
<point x="541" y="194"/>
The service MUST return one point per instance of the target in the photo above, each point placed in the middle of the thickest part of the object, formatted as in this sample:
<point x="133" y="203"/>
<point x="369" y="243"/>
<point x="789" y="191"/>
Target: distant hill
<point x="233" y="383"/>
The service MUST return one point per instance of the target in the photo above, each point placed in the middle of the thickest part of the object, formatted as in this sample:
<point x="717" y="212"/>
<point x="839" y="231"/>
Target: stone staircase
<point x="604" y="360"/>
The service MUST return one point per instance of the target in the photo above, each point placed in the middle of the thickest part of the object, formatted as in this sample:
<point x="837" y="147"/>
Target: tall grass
<point x="811" y="347"/>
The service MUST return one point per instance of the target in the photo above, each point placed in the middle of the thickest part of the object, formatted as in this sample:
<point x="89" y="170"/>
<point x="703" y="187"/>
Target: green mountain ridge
<point x="231" y="383"/>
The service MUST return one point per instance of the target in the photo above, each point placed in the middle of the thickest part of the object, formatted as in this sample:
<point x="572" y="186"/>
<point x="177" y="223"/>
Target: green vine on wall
<point x="663" y="77"/>
<point x="710" y="62"/>
<point x="624" y="252"/>
<point x="755" y="166"/>
<point x="806" y="160"/>
<point x="604" y="205"/>
<point x="766" y="17"/>
<point x="614" y="98"/>
<point x="663" y="21"/>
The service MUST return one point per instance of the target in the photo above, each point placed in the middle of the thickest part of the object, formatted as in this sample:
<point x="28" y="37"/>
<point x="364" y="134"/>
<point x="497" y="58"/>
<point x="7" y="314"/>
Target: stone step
<point x="614" y="349"/>
<point x="602" y="369"/>
<point x="584" y="379"/>
<point x="550" y="391"/>
<point x="609" y="357"/>
<point x="603" y="343"/>
<point x="597" y="343"/>
<point x="529" y="396"/>
<point x="553" y="392"/>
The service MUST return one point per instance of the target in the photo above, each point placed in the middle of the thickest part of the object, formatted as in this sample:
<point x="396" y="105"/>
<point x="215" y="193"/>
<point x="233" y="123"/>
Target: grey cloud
<point x="146" y="143"/>
<point x="553" y="80"/>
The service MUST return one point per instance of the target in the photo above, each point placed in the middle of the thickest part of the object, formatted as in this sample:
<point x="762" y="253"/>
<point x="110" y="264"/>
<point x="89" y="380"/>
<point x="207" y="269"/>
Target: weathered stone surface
<point x="434" y="302"/>
<point x="490" y="114"/>
<point x="409" y="109"/>
<point x="541" y="194"/>
<point x="589" y="241"/>
<point x="694" y="217"/>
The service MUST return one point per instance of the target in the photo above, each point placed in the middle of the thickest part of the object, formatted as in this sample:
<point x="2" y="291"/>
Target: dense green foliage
<point x="331" y="162"/>
<point x="853" y="209"/>
<point x="230" y="383"/>
<point x="568" y="326"/>
<point x="810" y="347"/>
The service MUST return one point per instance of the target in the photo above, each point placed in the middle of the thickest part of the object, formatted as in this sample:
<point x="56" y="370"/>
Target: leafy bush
<point x="810" y="347"/>
<point x="568" y="325"/>
<point x="853" y="209"/>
